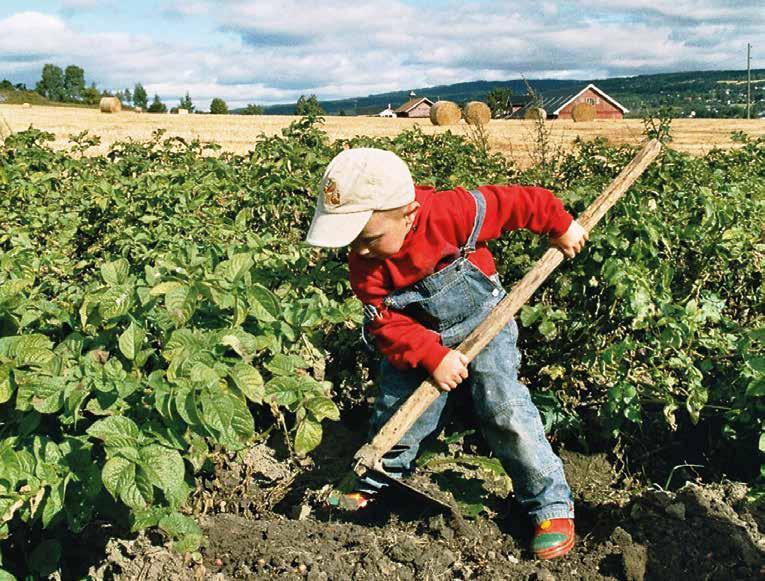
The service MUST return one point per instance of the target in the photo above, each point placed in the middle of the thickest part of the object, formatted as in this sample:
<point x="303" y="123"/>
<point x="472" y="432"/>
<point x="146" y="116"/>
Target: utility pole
<point x="748" y="80"/>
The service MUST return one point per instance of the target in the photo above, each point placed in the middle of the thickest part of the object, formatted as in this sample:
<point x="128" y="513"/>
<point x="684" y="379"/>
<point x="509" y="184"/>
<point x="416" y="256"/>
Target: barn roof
<point x="554" y="101"/>
<point x="411" y="104"/>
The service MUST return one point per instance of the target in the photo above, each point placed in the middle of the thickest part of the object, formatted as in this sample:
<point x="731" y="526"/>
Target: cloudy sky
<point x="272" y="51"/>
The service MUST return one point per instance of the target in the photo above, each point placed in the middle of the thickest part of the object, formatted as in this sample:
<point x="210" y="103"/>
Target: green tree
<point x="308" y="106"/>
<point x="186" y="103"/>
<point x="74" y="83"/>
<point x="157" y="106"/>
<point x="140" y="98"/>
<point x="91" y="95"/>
<point x="253" y="110"/>
<point x="51" y="85"/>
<point x="500" y="102"/>
<point x="218" y="107"/>
<point x="128" y="96"/>
<point x="6" y="85"/>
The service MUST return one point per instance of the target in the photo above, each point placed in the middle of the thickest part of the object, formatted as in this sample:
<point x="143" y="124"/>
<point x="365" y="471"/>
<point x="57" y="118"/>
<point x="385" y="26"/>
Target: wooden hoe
<point x="369" y="457"/>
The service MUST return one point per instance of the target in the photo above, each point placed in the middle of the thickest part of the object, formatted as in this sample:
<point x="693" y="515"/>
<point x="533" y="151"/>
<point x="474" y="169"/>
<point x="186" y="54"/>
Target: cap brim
<point x="336" y="230"/>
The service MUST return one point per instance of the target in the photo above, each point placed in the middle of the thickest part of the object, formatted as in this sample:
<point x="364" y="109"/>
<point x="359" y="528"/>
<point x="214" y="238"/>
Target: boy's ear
<point x="410" y="209"/>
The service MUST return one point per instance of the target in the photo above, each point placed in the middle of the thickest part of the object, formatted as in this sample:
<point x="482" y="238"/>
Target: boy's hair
<point x="356" y="183"/>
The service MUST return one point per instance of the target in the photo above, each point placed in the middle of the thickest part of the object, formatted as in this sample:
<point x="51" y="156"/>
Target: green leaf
<point x="286" y="364"/>
<point x="116" y="474"/>
<point x="131" y="340"/>
<point x="48" y="394"/>
<point x="757" y="363"/>
<point x="216" y="411"/>
<point x="307" y="436"/>
<point x="235" y="268"/>
<point x="116" y="431"/>
<point x="116" y="302"/>
<point x="165" y="287"/>
<point x="249" y="381"/>
<point x="181" y="302"/>
<point x="245" y="344"/>
<point x="144" y="519"/>
<point x="115" y="273"/>
<point x="176" y="525"/>
<point x="186" y="406"/>
<point x="184" y="530"/>
<point x="7" y="386"/>
<point x="163" y="466"/>
<point x="529" y="315"/>
<point x="45" y="557"/>
<point x="322" y="407"/>
<point x="548" y="329"/>
<point x="54" y="502"/>
<point x="241" y="418"/>
<point x="282" y="391"/>
<point x="264" y="305"/>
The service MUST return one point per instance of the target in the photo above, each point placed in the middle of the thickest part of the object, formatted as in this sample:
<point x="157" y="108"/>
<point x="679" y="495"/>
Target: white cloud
<point x="267" y="51"/>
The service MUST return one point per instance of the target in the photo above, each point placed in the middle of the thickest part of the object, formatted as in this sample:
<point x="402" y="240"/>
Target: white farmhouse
<point x="388" y="112"/>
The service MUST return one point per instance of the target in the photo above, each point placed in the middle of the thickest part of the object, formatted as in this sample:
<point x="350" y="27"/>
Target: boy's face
<point x="384" y="234"/>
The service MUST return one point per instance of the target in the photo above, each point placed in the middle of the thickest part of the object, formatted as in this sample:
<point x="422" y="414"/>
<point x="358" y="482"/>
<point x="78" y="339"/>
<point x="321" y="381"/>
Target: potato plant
<point x="157" y="303"/>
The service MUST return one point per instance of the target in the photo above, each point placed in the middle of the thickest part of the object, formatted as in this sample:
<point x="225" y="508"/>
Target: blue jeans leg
<point x="513" y="429"/>
<point x="395" y="387"/>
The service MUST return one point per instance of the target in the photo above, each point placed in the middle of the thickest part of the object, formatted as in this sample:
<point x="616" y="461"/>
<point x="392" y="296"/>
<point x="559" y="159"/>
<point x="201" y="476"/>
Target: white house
<point x="388" y="112"/>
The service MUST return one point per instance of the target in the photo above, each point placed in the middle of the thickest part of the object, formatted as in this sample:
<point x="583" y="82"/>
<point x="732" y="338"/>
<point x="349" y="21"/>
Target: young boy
<point x="419" y="263"/>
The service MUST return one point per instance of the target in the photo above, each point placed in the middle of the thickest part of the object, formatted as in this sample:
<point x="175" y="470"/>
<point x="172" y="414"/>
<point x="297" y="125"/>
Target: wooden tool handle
<point x="369" y="456"/>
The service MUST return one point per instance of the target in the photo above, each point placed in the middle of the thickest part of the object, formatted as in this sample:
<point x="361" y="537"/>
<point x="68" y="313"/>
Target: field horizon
<point x="236" y="134"/>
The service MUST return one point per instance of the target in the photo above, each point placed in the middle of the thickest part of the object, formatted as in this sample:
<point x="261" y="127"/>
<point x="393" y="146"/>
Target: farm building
<point x="387" y="112"/>
<point x="415" y="107"/>
<point x="559" y="105"/>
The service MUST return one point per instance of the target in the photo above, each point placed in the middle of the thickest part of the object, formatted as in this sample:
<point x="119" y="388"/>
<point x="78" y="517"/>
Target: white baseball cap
<point x="356" y="183"/>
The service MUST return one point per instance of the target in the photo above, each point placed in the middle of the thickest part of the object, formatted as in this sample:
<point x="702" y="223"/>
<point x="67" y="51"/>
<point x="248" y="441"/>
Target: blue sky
<point x="271" y="51"/>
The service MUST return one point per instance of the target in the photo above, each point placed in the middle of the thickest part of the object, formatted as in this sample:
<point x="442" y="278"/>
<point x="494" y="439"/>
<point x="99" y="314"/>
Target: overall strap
<point x="480" y="212"/>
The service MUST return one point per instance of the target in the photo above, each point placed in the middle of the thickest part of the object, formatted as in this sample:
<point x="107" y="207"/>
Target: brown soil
<point x="277" y="526"/>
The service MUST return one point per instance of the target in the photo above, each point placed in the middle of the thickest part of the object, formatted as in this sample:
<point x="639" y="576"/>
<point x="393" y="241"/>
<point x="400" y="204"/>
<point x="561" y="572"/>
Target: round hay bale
<point x="110" y="105"/>
<point x="583" y="112"/>
<point x="477" y="113"/>
<point x="138" y="109"/>
<point x="445" y="113"/>
<point x="183" y="111"/>
<point x="26" y="105"/>
<point x="535" y="113"/>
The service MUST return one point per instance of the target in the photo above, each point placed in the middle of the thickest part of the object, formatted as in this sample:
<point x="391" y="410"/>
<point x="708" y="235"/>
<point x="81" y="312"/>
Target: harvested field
<point x="236" y="133"/>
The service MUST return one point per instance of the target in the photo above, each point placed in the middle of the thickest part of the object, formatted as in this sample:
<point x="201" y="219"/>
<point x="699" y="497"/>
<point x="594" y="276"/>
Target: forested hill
<point x="708" y="93"/>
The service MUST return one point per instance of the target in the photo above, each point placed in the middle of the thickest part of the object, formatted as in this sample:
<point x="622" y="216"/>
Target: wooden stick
<point x="370" y="455"/>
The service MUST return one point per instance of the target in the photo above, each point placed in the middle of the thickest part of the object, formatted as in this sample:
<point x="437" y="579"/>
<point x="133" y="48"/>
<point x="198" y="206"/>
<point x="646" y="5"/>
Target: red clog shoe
<point x="553" y="538"/>
<point x="350" y="501"/>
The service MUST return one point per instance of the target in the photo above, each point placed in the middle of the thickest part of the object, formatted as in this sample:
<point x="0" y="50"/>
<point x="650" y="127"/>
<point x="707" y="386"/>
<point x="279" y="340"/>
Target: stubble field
<point x="236" y="133"/>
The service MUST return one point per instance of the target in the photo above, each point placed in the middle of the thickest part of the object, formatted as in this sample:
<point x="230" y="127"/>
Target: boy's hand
<point x="451" y="371"/>
<point x="572" y="241"/>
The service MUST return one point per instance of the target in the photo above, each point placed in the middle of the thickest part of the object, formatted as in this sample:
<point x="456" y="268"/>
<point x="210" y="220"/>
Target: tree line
<point x="68" y="85"/>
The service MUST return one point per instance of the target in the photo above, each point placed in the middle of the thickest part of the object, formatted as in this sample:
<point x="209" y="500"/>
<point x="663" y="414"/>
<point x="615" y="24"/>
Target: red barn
<point x="558" y="104"/>
<point x="605" y="107"/>
<point x="415" y="107"/>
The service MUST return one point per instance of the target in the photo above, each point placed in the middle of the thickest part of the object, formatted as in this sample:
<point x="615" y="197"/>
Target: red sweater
<point x="442" y="225"/>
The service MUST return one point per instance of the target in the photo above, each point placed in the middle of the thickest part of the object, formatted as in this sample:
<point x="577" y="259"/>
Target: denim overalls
<point x="452" y="302"/>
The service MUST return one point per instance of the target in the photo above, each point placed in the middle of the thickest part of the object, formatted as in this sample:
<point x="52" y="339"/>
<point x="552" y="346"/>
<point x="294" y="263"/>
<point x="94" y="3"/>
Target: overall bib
<point x="452" y="302"/>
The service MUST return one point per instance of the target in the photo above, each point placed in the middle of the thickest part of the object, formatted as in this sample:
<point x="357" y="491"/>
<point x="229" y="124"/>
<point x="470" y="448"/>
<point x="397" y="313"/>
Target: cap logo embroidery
<point x="331" y="195"/>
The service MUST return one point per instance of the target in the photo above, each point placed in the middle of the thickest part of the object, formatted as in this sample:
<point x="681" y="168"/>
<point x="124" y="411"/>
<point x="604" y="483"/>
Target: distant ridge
<point x="638" y="93"/>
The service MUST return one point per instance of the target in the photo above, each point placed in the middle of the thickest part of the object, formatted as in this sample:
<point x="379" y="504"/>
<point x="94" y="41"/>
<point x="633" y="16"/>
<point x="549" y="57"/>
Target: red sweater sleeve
<point x="400" y="338"/>
<point x="530" y="207"/>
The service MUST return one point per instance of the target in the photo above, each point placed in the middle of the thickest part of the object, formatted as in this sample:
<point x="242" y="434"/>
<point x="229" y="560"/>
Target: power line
<point x="748" y="80"/>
